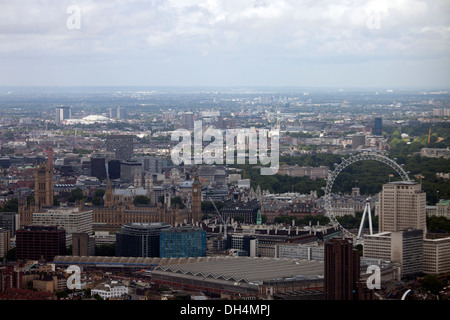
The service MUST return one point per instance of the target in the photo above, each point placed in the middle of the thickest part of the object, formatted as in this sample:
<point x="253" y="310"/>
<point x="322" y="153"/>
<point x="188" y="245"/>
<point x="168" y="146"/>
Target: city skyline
<point x="225" y="150"/>
<point x="225" y="43"/>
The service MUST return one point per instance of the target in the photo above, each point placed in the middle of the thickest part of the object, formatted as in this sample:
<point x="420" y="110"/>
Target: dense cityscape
<point x="94" y="208"/>
<point x="224" y="158"/>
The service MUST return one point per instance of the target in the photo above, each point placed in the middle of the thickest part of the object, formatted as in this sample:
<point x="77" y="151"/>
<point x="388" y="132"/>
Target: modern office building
<point x="378" y="246"/>
<point x="358" y="140"/>
<point x="187" y="120"/>
<point x="40" y="242"/>
<point x="114" y="169"/>
<point x="182" y="241"/>
<point x="244" y="245"/>
<point x="407" y="249"/>
<point x="248" y="211"/>
<point x="403" y="247"/>
<point x="71" y="219"/>
<point x="139" y="240"/>
<point x="300" y="251"/>
<point x="401" y="205"/>
<point x="121" y="145"/>
<point x="108" y="155"/>
<point x="63" y="113"/>
<point x="342" y="269"/>
<point x="118" y="113"/>
<point x="83" y="244"/>
<point x="98" y="167"/>
<point x="5" y="236"/>
<point x="152" y="164"/>
<point x="129" y="170"/>
<point x="436" y="254"/>
<point x="377" y="129"/>
<point x="209" y="175"/>
<point x="10" y="221"/>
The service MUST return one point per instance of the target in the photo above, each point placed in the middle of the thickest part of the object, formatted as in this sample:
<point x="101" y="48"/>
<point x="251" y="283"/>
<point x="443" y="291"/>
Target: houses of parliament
<point x="118" y="208"/>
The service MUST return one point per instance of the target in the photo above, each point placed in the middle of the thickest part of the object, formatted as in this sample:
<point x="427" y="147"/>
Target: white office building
<point x="71" y="219"/>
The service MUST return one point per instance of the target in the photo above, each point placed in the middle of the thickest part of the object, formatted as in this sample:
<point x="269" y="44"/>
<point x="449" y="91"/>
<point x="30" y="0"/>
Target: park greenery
<point x="347" y="221"/>
<point x="405" y="143"/>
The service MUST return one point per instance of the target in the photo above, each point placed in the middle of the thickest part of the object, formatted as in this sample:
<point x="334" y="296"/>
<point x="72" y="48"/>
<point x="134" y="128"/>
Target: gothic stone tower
<point x="43" y="183"/>
<point x="196" y="209"/>
<point x="43" y="191"/>
<point x="109" y="196"/>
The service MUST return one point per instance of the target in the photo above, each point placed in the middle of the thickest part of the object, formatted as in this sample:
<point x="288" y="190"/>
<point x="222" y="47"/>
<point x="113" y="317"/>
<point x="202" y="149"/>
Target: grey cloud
<point x="242" y="35"/>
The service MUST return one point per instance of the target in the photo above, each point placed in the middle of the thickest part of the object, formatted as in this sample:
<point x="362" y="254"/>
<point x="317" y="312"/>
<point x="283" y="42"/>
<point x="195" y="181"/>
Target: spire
<point x="108" y="196"/>
<point x="108" y="186"/>
<point x="258" y="191"/>
<point x="50" y="158"/>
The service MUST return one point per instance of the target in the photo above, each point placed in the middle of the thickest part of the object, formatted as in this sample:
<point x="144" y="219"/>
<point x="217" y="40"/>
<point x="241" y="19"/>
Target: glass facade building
<point x="378" y="127"/>
<point x="183" y="242"/>
<point x="139" y="239"/>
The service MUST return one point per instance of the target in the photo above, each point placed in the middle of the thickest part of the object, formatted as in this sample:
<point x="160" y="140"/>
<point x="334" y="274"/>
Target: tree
<point x="359" y="247"/>
<point x="62" y="294"/>
<point x="97" y="297"/>
<point x="207" y="206"/>
<point x="432" y="283"/>
<point x="11" y="205"/>
<point x="263" y="218"/>
<point x="177" y="200"/>
<point x="97" y="200"/>
<point x="99" y="193"/>
<point x="141" y="200"/>
<point x="75" y="195"/>
<point x="11" y="254"/>
<point x="438" y="224"/>
<point x="55" y="201"/>
<point x="106" y="250"/>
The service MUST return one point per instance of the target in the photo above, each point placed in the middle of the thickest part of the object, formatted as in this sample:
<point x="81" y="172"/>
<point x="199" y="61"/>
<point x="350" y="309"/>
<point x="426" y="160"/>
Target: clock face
<point x="195" y="189"/>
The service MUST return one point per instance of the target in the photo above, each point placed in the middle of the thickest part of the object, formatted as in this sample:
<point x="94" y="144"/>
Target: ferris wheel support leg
<point x="370" y="218"/>
<point x="362" y="223"/>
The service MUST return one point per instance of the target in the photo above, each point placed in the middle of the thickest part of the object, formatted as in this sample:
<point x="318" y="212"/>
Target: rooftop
<point x="403" y="182"/>
<point x="248" y="270"/>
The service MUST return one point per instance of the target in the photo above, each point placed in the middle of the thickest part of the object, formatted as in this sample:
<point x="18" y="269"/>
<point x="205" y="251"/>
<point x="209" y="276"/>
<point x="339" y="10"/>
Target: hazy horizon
<point x="225" y="43"/>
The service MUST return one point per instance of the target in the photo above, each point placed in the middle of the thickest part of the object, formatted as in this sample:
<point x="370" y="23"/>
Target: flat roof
<point x="247" y="269"/>
<point x="403" y="182"/>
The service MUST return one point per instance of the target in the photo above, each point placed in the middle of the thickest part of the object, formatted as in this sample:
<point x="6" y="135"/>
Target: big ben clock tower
<point x="196" y="208"/>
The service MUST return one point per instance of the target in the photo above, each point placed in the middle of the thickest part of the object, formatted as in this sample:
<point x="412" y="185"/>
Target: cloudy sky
<point x="312" y="43"/>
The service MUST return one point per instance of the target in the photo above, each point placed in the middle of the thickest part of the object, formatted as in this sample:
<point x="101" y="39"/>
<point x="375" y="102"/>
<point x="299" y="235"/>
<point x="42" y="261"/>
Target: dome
<point x="94" y="117"/>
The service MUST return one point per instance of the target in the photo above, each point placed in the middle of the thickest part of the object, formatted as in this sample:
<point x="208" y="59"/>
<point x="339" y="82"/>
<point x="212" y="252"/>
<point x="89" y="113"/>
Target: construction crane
<point x="221" y="218"/>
